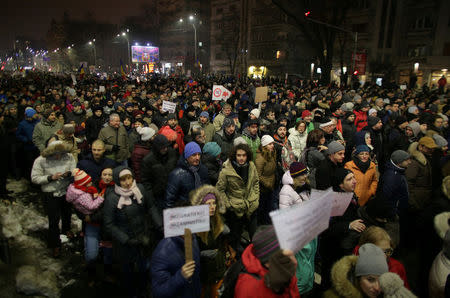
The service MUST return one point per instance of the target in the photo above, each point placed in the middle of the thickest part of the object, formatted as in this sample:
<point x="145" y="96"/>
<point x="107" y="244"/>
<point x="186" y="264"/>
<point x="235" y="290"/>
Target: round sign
<point x="217" y="92"/>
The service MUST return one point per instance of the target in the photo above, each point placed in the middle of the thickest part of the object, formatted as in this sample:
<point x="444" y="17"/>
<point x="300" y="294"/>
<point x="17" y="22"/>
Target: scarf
<point x="88" y="189"/>
<point x="363" y="166"/>
<point x="126" y="195"/>
<point x="102" y="185"/>
<point x="241" y="170"/>
<point x="280" y="140"/>
<point x="194" y="170"/>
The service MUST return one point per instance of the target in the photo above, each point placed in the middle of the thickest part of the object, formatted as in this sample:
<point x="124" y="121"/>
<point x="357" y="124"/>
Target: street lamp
<point x="128" y="45"/>
<point x="95" y="52"/>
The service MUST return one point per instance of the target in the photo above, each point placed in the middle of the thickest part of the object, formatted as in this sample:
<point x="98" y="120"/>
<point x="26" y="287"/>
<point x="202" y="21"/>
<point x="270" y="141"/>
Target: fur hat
<point x="197" y="195"/>
<point x="55" y="147"/>
<point x="393" y="286"/>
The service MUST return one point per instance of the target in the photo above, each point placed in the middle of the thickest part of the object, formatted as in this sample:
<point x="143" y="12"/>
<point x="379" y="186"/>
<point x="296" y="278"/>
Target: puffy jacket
<point x="250" y="286"/>
<point x="83" y="201"/>
<point x="165" y="268"/>
<point x="112" y="136"/>
<point x="24" y="133"/>
<point x="43" y="131"/>
<point x="267" y="170"/>
<point x="366" y="183"/>
<point x="360" y="120"/>
<point x="139" y="152"/>
<point x="181" y="182"/>
<point x="298" y="141"/>
<point x="288" y="196"/>
<point x="419" y="179"/>
<point x="225" y="143"/>
<point x="395" y="187"/>
<point x="240" y="198"/>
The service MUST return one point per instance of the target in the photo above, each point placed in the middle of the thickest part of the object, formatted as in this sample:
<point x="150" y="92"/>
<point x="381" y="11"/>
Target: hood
<point x="197" y="195"/>
<point x="360" y="138"/>
<point x="389" y="165"/>
<point x="287" y="179"/>
<point x="252" y="263"/>
<point x="56" y="147"/>
<point x="419" y="156"/>
<point x="340" y="273"/>
<point x="116" y="173"/>
<point x="415" y="127"/>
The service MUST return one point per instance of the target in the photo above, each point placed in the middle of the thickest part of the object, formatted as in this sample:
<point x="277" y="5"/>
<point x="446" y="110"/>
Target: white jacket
<point x="298" y="141"/>
<point x="46" y="166"/>
<point x="288" y="196"/>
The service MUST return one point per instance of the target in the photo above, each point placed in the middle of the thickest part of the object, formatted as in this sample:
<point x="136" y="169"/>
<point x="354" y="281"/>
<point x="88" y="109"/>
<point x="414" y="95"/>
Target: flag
<point x="122" y="70"/>
<point x="81" y="71"/>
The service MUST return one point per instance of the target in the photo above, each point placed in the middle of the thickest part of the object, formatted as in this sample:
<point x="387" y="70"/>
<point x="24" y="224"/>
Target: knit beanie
<point x="266" y="140"/>
<point x="398" y="156"/>
<point x="412" y="109"/>
<point x="347" y="107"/>
<point x="372" y="121"/>
<point x="207" y="197"/>
<point x="379" y="207"/>
<point x="297" y="169"/>
<point x="265" y="243"/>
<point x="400" y="120"/>
<point x="239" y="140"/>
<point x="325" y="121"/>
<point x="372" y="111"/>
<point x="191" y="149"/>
<point x="362" y="148"/>
<point x="371" y="260"/>
<point x="160" y="142"/>
<point x="29" y="112"/>
<point x="440" y="141"/>
<point x="306" y="113"/>
<point x="146" y="133"/>
<point x="171" y="116"/>
<point x="393" y="286"/>
<point x="169" y="133"/>
<point x="255" y="112"/>
<point x="334" y="147"/>
<point x="80" y="177"/>
<point x="212" y="148"/>
<point x="204" y="114"/>
<point x="227" y="122"/>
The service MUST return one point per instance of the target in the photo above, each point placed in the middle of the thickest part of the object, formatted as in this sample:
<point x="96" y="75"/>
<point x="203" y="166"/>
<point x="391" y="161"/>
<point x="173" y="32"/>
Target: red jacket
<point x="394" y="267"/>
<point x="248" y="286"/>
<point x="139" y="152"/>
<point x="360" y="120"/>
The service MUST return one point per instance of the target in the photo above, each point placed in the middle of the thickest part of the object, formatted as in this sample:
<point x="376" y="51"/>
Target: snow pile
<point x="31" y="281"/>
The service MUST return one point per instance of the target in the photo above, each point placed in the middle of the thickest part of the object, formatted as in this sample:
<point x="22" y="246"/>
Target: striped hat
<point x="297" y="169"/>
<point x="265" y="243"/>
<point x="81" y="178"/>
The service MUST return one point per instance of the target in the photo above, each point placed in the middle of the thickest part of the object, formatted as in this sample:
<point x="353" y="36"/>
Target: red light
<point x="355" y="72"/>
<point x="307" y="13"/>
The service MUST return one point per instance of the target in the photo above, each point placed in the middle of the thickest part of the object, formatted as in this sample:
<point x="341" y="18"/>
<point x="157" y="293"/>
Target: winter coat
<point x="288" y="196"/>
<point x="325" y="173"/>
<point x="240" y="198"/>
<point x="395" y="187"/>
<point x="155" y="171"/>
<point x="267" y="170"/>
<point x="419" y="179"/>
<point x="94" y="168"/>
<point x="214" y="167"/>
<point x="209" y="131"/>
<point x="165" y="269"/>
<point x="181" y="182"/>
<point x="360" y="120"/>
<point x="133" y="138"/>
<point x="82" y="201"/>
<point x="218" y="122"/>
<point x="43" y="131"/>
<point x="348" y="133"/>
<point x="70" y="141"/>
<point x="366" y="183"/>
<point x="225" y="143"/>
<point x="252" y="142"/>
<point x="343" y="279"/>
<point x="438" y="276"/>
<point x="141" y="149"/>
<point x="250" y="286"/>
<point x="46" y="165"/>
<point x="397" y="140"/>
<point x="24" y="133"/>
<point x="112" y="136"/>
<point x="298" y="141"/>
<point x="305" y="266"/>
<point x="93" y="126"/>
<point x="312" y="158"/>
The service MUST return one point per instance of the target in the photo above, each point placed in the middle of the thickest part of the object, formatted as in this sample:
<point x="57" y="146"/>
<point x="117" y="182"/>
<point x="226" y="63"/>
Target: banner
<point x="194" y="218"/>
<point x="220" y="93"/>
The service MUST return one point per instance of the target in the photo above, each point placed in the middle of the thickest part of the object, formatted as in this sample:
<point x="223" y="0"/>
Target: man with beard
<point x="207" y="126"/>
<point x="283" y="149"/>
<point x="250" y="135"/>
<point x="78" y="115"/>
<point x="225" y="137"/>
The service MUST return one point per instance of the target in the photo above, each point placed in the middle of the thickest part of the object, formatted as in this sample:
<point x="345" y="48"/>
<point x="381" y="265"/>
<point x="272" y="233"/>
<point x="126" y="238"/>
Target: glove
<point x="208" y="253"/>
<point x="133" y="242"/>
<point x="115" y="148"/>
<point x="281" y="270"/>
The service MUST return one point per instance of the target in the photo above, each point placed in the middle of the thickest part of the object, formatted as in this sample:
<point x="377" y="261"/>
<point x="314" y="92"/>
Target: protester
<point x="211" y="159"/>
<point x="45" y="129"/>
<point x="328" y="166"/>
<point x="115" y="138"/>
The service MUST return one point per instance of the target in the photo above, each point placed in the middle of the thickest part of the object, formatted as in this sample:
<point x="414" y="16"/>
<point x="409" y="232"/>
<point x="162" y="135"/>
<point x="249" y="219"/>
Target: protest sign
<point x="261" y="94"/>
<point x="220" y="93"/>
<point x="168" y="106"/>
<point x="403" y="87"/>
<point x="101" y="89"/>
<point x="74" y="80"/>
<point x="298" y="225"/>
<point x="195" y="218"/>
<point x="340" y="201"/>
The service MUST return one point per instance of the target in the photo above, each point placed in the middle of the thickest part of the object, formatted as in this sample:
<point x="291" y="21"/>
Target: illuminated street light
<point x="90" y="42"/>
<point x="180" y="20"/>
<point x="191" y="18"/>
<point x="123" y="34"/>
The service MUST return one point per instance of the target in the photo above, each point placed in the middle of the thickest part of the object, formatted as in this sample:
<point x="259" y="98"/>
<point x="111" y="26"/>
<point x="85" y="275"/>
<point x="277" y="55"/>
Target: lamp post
<point x="191" y="18"/>
<point x="95" y="52"/>
<point x="124" y="34"/>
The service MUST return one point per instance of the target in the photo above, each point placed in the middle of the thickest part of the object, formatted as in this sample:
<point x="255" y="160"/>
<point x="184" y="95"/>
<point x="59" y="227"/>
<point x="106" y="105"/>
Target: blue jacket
<point x="24" y="133"/>
<point x="94" y="168"/>
<point x="167" y="260"/>
<point x="181" y="181"/>
<point x="395" y="187"/>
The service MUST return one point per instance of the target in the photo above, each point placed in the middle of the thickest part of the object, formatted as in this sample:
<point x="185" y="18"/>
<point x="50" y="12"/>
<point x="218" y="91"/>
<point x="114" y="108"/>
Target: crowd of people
<point x="117" y="159"/>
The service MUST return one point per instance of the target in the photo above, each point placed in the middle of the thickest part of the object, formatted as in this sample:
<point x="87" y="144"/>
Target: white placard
<point x="316" y="194"/>
<point x="74" y="80"/>
<point x="219" y="92"/>
<point x="341" y="200"/>
<point x="403" y="87"/>
<point x="101" y="89"/>
<point x="298" y="225"/>
<point x="195" y="218"/>
<point x="168" y="106"/>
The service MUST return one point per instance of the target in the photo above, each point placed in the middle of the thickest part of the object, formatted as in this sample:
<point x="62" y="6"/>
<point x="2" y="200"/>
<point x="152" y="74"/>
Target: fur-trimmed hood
<point x="198" y="194"/>
<point x="341" y="273"/>
<point x="393" y="286"/>
<point x="54" y="148"/>
<point x="446" y="187"/>
<point x="419" y="156"/>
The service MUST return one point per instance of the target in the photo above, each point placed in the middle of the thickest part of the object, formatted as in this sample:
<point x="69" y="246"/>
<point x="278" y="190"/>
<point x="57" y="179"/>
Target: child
<point x="82" y="194"/>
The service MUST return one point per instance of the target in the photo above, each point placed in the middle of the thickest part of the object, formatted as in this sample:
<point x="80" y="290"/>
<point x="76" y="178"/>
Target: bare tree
<point x="230" y="40"/>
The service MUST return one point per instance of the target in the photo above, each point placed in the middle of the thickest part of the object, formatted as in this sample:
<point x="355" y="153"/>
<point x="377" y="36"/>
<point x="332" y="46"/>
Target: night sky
<point x="32" y="18"/>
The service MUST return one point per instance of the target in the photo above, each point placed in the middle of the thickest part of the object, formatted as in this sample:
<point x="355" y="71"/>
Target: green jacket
<point x="252" y="143"/>
<point x="305" y="266"/>
<point x="111" y="136"/>
<point x="43" y="131"/>
<point x="241" y="199"/>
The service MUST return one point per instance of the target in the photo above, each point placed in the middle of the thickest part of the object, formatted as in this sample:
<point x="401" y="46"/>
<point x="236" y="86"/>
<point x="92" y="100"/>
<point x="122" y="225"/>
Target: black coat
<point x="214" y="167"/>
<point x="93" y="126"/>
<point x="325" y="173"/>
<point x="182" y="181"/>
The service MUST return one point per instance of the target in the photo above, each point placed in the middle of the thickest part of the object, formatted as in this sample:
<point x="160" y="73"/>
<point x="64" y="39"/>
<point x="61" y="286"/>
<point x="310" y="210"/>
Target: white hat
<point x="266" y="140"/>
<point x="255" y="112"/>
<point x="146" y="133"/>
<point x="372" y="111"/>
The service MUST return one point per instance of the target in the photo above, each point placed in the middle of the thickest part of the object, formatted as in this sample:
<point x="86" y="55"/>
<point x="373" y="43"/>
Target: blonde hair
<point x="374" y="234"/>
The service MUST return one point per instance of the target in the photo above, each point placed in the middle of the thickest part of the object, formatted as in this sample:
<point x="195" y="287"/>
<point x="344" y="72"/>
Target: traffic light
<point x="307" y="13"/>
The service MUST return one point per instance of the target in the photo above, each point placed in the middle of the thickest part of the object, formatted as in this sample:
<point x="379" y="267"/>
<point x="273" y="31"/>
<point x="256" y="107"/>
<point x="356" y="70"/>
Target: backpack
<point x="226" y="290"/>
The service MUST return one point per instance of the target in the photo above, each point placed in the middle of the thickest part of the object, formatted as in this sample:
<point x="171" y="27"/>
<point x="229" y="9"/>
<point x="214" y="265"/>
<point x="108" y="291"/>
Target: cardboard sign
<point x="219" y="92"/>
<point x="340" y="201"/>
<point x="296" y="226"/>
<point x="176" y="220"/>
<point x="168" y="106"/>
<point x="261" y="94"/>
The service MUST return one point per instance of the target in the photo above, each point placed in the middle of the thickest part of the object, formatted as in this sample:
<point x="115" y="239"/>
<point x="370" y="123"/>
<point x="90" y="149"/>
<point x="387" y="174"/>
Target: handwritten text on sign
<point x="339" y="200"/>
<point x="195" y="218"/>
<point x="169" y="106"/>
<point x="298" y="225"/>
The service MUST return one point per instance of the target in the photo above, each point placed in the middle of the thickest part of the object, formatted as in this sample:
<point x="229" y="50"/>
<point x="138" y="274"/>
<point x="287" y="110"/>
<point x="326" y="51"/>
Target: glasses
<point x="388" y="252"/>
